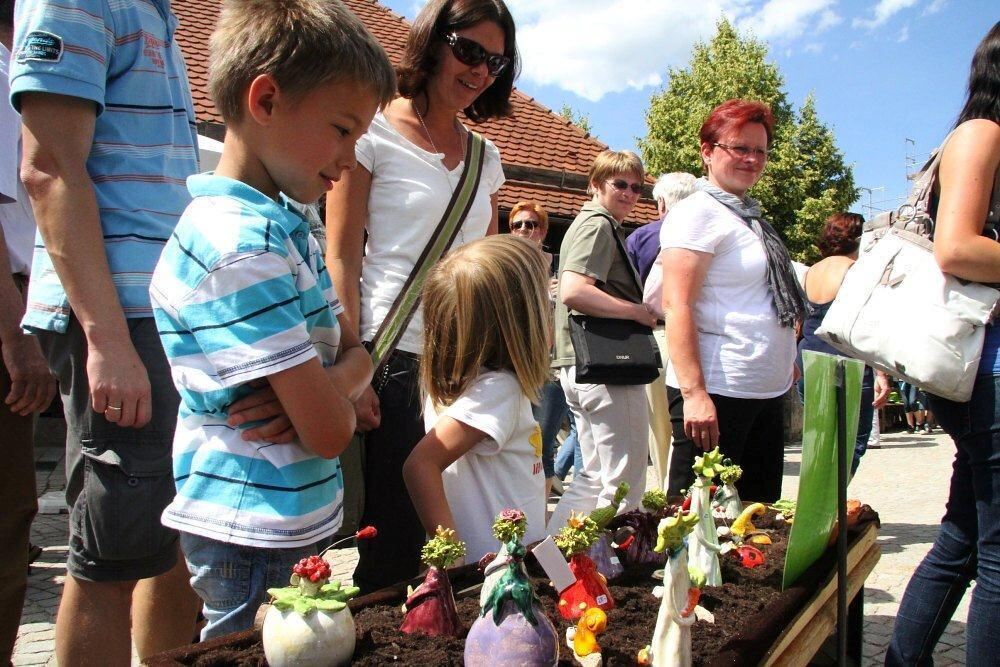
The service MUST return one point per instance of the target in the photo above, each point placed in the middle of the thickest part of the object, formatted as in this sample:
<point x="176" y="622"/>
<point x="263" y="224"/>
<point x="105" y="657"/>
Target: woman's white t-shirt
<point x="745" y="352"/>
<point x="410" y="190"/>
<point x="503" y="470"/>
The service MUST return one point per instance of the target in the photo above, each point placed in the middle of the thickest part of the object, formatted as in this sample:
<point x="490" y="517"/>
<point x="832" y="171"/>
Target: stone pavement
<point x="906" y="481"/>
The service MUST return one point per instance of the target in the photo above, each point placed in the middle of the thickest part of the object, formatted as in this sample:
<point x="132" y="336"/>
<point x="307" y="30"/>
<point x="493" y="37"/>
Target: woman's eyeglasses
<point x="471" y="53"/>
<point x="743" y="152"/>
<point x="527" y="225"/>
<point x="619" y="184"/>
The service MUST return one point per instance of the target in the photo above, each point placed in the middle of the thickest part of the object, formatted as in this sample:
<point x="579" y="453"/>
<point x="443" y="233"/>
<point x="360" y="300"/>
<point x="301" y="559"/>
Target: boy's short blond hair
<point x="486" y="306"/>
<point x="303" y="44"/>
<point x="609" y="164"/>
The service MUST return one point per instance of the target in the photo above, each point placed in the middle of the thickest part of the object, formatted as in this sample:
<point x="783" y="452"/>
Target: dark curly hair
<point x="840" y="234"/>
<point x="437" y="19"/>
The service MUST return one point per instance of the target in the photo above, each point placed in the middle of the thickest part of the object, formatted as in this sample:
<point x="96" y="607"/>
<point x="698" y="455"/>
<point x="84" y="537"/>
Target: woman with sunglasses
<point x="597" y="278"/>
<point x="967" y="547"/>
<point x="731" y="303"/>
<point x="460" y="56"/>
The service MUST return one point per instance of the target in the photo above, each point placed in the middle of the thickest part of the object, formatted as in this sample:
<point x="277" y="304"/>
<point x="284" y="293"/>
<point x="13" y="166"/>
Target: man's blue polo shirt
<point x="642" y="246"/>
<point x="122" y="56"/>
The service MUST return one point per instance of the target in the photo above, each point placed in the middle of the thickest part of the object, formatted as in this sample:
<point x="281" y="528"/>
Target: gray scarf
<point x="785" y="289"/>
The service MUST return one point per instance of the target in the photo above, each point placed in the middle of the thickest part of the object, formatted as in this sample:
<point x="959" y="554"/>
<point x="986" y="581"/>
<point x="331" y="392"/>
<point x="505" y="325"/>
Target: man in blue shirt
<point x="643" y="245"/>
<point x="109" y="140"/>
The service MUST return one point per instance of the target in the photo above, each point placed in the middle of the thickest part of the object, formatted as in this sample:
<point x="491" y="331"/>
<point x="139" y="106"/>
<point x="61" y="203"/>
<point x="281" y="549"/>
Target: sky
<point x="889" y="76"/>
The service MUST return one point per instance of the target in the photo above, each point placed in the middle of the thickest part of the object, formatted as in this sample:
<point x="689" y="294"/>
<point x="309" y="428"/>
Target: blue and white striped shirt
<point x="241" y="292"/>
<point x="121" y="55"/>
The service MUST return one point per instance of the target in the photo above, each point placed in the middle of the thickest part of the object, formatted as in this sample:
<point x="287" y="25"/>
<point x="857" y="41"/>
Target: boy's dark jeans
<point x="968" y="544"/>
<point x="394" y="554"/>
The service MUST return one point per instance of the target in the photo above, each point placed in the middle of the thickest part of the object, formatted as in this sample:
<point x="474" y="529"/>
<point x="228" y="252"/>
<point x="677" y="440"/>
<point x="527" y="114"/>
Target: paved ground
<point x="905" y="481"/>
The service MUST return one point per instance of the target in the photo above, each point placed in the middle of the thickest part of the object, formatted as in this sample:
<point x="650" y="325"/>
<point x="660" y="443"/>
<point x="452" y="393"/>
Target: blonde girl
<point x="485" y="357"/>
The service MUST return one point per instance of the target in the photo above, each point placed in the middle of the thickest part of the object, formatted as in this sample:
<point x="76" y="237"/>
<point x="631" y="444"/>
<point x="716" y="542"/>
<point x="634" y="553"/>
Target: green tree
<point x="806" y="179"/>
<point x="579" y="119"/>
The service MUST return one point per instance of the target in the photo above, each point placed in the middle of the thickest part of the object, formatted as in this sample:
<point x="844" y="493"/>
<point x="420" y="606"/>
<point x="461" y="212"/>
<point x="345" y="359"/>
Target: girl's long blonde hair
<point x="486" y="306"/>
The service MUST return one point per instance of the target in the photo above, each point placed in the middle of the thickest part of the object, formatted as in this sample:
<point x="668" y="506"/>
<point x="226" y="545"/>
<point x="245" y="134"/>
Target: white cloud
<point x="790" y="19"/>
<point x="934" y="7"/>
<point x="813" y="47"/>
<point x="596" y="47"/>
<point x="904" y="34"/>
<point x="884" y="10"/>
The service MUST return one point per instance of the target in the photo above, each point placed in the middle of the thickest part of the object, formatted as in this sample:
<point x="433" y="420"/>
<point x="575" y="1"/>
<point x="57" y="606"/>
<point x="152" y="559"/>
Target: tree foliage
<point x="806" y="179"/>
<point x="581" y="120"/>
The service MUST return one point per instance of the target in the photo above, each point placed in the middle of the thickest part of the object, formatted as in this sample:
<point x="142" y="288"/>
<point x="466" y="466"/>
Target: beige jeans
<point x="659" y="415"/>
<point x="612" y="424"/>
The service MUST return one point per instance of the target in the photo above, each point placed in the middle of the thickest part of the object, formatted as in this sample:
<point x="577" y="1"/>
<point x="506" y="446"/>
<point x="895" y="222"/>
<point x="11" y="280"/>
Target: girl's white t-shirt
<point x="410" y="190"/>
<point x="745" y="352"/>
<point x="504" y="470"/>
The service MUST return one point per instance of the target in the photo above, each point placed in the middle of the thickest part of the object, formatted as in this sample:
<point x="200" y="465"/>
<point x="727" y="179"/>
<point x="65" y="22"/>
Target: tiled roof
<point x="534" y="136"/>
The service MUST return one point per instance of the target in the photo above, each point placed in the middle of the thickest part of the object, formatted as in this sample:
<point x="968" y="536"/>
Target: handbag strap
<point x="624" y="255"/>
<point x="401" y="312"/>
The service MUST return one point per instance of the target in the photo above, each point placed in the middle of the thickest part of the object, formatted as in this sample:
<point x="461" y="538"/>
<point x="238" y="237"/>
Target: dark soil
<point x="740" y="629"/>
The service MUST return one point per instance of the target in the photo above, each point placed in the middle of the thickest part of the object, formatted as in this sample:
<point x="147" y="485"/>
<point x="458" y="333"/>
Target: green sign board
<point x="816" y="507"/>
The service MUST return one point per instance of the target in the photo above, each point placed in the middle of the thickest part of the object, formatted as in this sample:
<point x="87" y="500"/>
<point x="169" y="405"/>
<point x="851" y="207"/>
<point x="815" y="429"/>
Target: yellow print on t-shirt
<point x="535" y="440"/>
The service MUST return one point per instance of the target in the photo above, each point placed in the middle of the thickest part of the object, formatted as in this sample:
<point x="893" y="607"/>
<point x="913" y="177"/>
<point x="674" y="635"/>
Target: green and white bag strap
<point x="405" y="305"/>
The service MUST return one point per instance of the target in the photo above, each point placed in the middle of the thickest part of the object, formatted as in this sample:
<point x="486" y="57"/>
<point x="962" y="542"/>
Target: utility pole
<point x="870" y="206"/>
<point x="910" y="159"/>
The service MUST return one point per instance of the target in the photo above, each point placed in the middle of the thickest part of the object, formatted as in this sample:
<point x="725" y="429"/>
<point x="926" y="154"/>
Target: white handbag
<point x="898" y="312"/>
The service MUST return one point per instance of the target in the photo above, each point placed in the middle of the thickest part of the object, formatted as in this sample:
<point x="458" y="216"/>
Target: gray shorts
<point x="118" y="480"/>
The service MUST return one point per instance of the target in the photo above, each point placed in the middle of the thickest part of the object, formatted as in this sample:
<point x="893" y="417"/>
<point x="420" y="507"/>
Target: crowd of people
<point x="214" y="361"/>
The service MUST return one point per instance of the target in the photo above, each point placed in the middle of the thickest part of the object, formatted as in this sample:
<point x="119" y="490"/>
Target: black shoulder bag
<point x="613" y="351"/>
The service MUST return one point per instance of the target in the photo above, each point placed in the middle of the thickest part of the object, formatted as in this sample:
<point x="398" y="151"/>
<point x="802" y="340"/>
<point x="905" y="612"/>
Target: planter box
<point x="789" y="631"/>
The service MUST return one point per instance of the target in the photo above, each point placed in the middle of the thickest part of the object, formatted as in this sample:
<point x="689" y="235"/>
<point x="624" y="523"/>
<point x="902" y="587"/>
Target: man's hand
<point x="367" y="411"/>
<point x="262" y="406"/>
<point x="32" y="386"/>
<point x="882" y="388"/>
<point x="119" y="384"/>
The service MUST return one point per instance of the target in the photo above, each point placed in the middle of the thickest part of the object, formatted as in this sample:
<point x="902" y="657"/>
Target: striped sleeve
<point x="245" y="317"/>
<point x="61" y="47"/>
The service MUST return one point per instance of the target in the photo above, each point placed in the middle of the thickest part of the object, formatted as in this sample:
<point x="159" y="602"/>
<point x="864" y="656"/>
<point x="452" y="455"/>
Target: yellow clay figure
<point x="743" y="525"/>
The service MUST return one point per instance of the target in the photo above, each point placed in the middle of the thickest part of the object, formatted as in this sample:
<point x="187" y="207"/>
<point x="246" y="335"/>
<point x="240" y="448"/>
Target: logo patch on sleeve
<point x="42" y="46"/>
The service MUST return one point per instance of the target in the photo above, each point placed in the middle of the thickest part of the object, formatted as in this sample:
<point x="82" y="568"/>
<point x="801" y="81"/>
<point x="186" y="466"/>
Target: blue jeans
<point x="569" y="454"/>
<point x="550" y="413"/>
<point x="968" y="544"/>
<point x="232" y="580"/>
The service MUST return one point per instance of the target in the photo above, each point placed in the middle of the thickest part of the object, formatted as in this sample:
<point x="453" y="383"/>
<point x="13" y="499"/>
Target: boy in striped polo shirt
<point x="241" y="296"/>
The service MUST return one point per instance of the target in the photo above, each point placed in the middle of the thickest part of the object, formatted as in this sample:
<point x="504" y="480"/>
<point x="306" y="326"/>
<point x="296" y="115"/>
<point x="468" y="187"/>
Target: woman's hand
<point x="701" y="423"/>
<point x="644" y="315"/>
<point x="882" y="388"/>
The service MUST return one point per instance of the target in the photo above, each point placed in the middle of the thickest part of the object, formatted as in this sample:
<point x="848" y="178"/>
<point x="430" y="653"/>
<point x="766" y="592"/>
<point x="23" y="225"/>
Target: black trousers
<point x="394" y="554"/>
<point x="751" y="433"/>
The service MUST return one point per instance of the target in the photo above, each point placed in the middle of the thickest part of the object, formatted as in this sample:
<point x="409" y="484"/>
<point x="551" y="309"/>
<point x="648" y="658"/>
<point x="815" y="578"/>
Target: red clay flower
<point x="312" y="568"/>
<point x="366" y="533"/>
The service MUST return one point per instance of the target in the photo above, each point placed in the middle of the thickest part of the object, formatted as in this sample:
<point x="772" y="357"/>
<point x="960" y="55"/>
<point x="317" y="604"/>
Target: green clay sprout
<point x="443" y="549"/>
<point x="673" y="530"/>
<point x="654" y="501"/>
<point x="579" y="533"/>
<point x="709" y="464"/>
<point x="510" y="525"/>
<point x="730" y="473"/>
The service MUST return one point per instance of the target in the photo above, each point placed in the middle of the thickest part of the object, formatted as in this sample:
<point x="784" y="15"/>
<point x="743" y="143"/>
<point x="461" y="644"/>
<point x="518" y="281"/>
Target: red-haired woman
<point x="838" y="244"/>
<point x="731" y="302"/>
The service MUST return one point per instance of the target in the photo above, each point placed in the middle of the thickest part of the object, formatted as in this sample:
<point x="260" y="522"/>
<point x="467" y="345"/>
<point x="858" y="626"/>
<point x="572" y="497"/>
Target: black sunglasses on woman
<point x="471" y="53"/>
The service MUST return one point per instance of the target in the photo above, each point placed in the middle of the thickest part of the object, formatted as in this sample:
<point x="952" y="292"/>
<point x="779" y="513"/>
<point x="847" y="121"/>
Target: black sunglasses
<point x="471" y="53"/>
<point x="619" y="184"/>
<point x="530" y="225"/>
